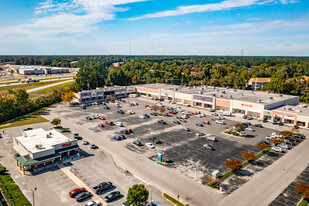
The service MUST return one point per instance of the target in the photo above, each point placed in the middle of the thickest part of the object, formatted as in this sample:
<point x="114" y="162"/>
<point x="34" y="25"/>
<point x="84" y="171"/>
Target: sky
<point x="154" y="27"/>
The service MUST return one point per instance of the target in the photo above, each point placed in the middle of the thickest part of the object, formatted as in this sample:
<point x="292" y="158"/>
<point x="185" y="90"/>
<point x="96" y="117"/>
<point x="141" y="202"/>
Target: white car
<point x="186" y="129"/>
<point x="220" y="122"/>
<point x="214" y="114"/>
<point x="151" y="146"/>
<point x="93" y="203"/>
<point x="120" y="124"/>
<point x="212" y="138"/>
<point x="84" y="142"/>
<point x="277" y="149"/>
<point x="284" y="146"/>
<point x="244" y="134"/>
<point x="200" y="134"/>
<point x="250" y="129"/>
<point x="142" y="116"/>
<point x="179" y="109"/>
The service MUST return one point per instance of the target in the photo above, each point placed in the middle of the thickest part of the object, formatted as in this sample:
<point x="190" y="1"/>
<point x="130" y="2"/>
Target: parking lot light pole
<point x="33" y="195"/>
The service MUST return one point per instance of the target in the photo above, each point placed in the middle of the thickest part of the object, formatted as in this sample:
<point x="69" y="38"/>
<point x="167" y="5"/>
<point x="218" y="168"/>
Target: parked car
<point x="176" y="122"/>
<point x="102" y="187"/>
<point x="294" y="139"/>
<point x="212" y="110"/>
<point x="93" y="146"/>
<point x="108" y="122"/>
<point x="152" y="138"/>
<point x="119" y="137"/>
<point x="212" y="138"/>
<point x="82" y="196"/>
<point x="93" y="203"/>
<point x="182" y="120"/>
<point x="243" y="134"/>
<point x="250" y="129"/>
<point x="150" y="145"/>
<point x="161" y="121"/>
<point x="214" y="114"/>
<point x="165" y="114"/>
<point x="126" y="131"/>
<point x="120" y="124"/>
<point x="186" y="129"/>
<point x="277" y="149"/>
<point x="84" y="142"/>
<point x="106" y="107"/>
<point x="154" y="203"/>
<point x="206" y="122"/>
<point x="100" y="125"/>
<point x="172" y="112"/>
<point x="200" y="134"/>
<point x="111" y="196"/>
<point x="283" y="146"/>
<point x="220" y="122"/>
<point x="138" y="143"/>
<point x="258" y="125"/>
<point x="280" y="124"/>
<point x="264" y="142"/>
<point x="76" y="191"/>
<point x="120" y="111"/>
<point x="246" y="124"/>
<point x="207" y="146"/>
<point x="153" y="114"/>
<point x="199" y="124"/>
<point x="27" y="129"/>
<point x="101" y="118"/>
<point x="289" y="142"/>
<point x="295" y="127"/>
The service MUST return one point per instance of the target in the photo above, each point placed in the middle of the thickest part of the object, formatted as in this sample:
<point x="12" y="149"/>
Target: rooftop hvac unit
<point x="202" y="88"/>
<point x="217" y="90"/>
<point x="200" y="92"/>
<point x="290" y="108"/>
<point x="38" y="146"/>
<point x="223" y="92"/>
<point x="280" y="95"/>
<point x="271" y="98"/>
<point x="235" y="90"/>
<point x="194" y="87"/>
<point x="259" y="100"/>
<point x="230" y="96"/>
<point x="227" y="87"/>
<point x="242" y="94"/>
<point x="213" y="95"/>
<point x="221" y="95"/>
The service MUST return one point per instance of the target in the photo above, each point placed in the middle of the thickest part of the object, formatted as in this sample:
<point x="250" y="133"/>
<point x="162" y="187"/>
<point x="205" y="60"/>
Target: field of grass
<point x="173" y="200"/>
<point x="49" y="90"/>
<point x="28" y="86"/>
<point x="31" y="118"/>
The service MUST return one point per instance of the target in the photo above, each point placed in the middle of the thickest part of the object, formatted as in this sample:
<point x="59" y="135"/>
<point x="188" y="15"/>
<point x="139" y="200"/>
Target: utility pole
<point x="33" y="196"/>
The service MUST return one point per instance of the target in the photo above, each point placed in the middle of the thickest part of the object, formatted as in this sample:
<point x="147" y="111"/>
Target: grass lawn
<point x="173" y="200"/>
<point x="26" y="119"/>
<point x="49" y="90"/>
<point x="304" y="202"/>
<point x="28" y="86"/>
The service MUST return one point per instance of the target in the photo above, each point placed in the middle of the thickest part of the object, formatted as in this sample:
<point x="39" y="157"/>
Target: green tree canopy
<point x="137" y="195"/>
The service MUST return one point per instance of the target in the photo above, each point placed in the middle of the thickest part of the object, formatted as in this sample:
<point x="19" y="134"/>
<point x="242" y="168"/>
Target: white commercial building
<point x="39" y="148"/>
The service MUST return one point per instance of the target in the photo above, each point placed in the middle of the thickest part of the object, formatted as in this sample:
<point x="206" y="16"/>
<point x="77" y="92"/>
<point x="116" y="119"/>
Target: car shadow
<point x="257" y="163"/>
<point x="272" y="154"/>
<point x="243" y="173"/>
<point x="108" y="190"/>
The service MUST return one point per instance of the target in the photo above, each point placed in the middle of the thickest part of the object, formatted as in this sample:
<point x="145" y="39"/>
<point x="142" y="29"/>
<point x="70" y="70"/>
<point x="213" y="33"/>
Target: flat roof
<point x="224" y="93"/>
<point x="115" y="87"/>
<point x="301" y="109"/>
<point x="38" y="140"/>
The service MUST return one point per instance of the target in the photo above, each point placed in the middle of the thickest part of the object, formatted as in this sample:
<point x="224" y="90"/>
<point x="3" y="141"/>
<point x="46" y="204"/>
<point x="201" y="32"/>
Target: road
<point x="48" y="80"/>
<point x="46" y="86"/>
<point x="163" y="178"/>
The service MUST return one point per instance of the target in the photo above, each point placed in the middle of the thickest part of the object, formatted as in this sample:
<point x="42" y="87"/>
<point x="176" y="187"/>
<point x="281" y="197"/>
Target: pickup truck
<point x="102" y="187"/>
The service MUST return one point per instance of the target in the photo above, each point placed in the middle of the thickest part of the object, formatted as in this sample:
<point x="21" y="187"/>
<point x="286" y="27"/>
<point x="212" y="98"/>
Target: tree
<point x="2" y="170"/>
<point x="239" y="127"/>
<point x="137" y="195"/>
<point x="111" y="98"/>
<point x="68" y="96"/>
<point x="162" y="109"/>
<point x="285" y="133"/>
<point x="303" y="190"/>
<point x="155" y="108"/>
<point x="233" y="164"/>
<point x="56" y="121"/>
<point x="248" y="156"/>
<point x="262" y="145"/>
<point x="275" y="140"/>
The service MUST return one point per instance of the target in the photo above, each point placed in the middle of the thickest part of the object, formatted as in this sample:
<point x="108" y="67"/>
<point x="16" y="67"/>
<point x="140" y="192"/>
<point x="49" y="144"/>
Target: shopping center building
<point x="259" y="105"/>
<point x="38" y="149"/>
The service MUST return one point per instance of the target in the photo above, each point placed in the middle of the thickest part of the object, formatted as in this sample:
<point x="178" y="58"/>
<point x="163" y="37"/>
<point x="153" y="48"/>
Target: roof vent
<point x="235" y="90"/>
<point x="200" y="92"/>
<point x="38" y="146"/>
<point x="230" y="96"/>
<point x="221" y="95"/>
<point x="259" y="100"/>
<point x="271" y="98"/>
<point x="213" y="95"/>
<point x="242" y="94"/>
<point x="217" y="90"/>
<point x="280" y="95"/>
<point x="223" y="92"/>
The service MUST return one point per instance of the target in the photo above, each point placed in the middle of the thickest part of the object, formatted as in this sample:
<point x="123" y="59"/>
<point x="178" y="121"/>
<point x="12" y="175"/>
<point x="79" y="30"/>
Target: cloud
<point x="73" y="17"/>
<point x="224" y="5"/>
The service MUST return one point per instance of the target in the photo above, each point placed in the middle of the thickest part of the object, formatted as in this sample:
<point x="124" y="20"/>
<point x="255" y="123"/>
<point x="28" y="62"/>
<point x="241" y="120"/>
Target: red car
<point x="76" y="191"/>
<point x="108" y="122"/>
<point x="171" y="112"/>
<point x="100" y="125"/>
<point x="258" y="125"/>
<point x="294" y="139"/>
<point x="101" y="118"/>
<point x="295" y="127"/>
<point x="147" y="106"/>
<point x="194" y="113"/>
<point x="188" y="105"/>
<point x="206" y="122"/>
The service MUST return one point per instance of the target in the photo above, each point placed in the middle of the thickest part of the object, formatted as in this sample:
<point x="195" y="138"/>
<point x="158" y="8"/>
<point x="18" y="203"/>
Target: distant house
<point x="117" y="64"/>
<point x="258" y="83"/>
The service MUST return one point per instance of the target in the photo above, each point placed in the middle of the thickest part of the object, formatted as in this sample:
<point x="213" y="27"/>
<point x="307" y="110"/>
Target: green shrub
<point x="235" y="133"/>
<point x="173" y="200"/>
<point x="65" y="130"/>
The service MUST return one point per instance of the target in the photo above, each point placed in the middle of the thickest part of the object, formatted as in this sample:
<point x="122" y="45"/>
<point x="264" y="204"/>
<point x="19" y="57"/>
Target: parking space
<point x="288" y="197"/>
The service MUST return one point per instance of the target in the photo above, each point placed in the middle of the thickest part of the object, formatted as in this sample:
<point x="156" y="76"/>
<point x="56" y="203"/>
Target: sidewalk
<point x="72" y="176"/>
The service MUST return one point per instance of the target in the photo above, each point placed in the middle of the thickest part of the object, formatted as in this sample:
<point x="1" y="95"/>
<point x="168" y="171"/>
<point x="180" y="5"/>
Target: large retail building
<point x="260" y="105"/>
<point x="39" y="148"/>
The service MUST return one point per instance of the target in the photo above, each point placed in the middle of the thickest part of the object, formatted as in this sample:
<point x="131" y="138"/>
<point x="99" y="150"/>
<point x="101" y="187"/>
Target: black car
<point x="93" y="146"/>
<point x="111" y="196"/>
<point x="281" y="124"/>
<point x="290" y="142"/>
<point x="176" y="122"/>
<point x="120" y="111"/>
<point x="138" y="143"/>
<point x="152" y="138"/>
<point x="264" y="142"/>
<point x="102" y="187"/>
<point x="158" y="141"/>
<point x="83" y="107"/>
<point x="82" y="196"/>
<point x="106" y="107"/>
<point x="27" y="129"/>
<point x="153" y="114"/>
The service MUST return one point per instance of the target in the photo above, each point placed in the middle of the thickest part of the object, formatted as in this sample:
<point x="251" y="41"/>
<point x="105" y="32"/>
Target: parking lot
<point x="288" y="197"/>
<point x="53" y="185"/>
<point x="183" y="150"/>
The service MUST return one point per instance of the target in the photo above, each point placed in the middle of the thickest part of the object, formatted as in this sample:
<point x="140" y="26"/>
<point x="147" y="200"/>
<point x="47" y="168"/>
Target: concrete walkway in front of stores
<point x="74" y="178"/>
